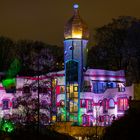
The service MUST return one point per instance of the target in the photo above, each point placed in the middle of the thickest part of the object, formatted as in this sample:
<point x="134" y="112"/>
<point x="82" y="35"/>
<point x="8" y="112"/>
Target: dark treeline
<point x="127" y="127"/>
<point x="22" y="57"/>
<point x="117" y="46"/>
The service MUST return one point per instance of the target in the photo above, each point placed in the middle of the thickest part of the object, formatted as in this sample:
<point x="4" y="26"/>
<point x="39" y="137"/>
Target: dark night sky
<point x="44" y="19"/>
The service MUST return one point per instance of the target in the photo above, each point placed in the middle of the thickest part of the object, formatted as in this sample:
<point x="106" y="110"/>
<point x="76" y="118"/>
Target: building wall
<point x="91" y="105"/>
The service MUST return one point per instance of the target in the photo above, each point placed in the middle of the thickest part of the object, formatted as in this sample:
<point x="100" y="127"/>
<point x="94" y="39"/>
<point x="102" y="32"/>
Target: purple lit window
<point x="105" y="106"/>
<point x="111" y="103"/>
<point x="85" y="120"/>
<point x="89" y="106"/>
<point x="5" y="104"/>
<point x="14" y="103"/>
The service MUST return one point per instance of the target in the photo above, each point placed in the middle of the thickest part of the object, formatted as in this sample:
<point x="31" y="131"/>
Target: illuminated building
<point x="83" y="96"/>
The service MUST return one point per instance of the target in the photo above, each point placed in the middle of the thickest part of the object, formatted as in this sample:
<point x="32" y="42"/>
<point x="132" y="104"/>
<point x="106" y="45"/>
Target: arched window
<point x="5" y="104"/>
<point x="14" y="103"/>
<point x="89" y="105"/>
<point x="106" y="120"/>
<point x="111" y="103"/>
<point x="26" y="89"/>
<point x="34" y="88"/>
<point x="83" y="103"/>
<point x="122" y="104"/>
<point x="105" y="105"/>
<point x="85" y="120"/>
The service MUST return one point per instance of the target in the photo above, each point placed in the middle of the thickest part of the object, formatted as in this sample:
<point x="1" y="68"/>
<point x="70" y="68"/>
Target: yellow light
<point x="54" y="118"/>
<point x="76" y="32"/>
<point x="71" y="88"/>
<point x="76" y="36"/>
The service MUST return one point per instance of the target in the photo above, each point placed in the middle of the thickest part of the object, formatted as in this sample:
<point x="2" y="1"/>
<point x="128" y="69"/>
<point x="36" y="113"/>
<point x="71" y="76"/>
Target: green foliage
<point x="14" y="69"/>
<point x="27" y="57"/>
<point x="8" y="82"/>
<point x="7" y="126"/>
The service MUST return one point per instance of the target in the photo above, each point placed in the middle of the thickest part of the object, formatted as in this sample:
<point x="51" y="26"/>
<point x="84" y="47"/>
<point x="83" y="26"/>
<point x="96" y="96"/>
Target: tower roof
<point x="76" y="27"/>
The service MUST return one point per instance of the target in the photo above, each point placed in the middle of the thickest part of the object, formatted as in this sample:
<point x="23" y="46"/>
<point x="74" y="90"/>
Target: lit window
<point x="75" y="108"/>
<point x="83" y="103"/>
<point x="71" y="95"/>
<point x="68" y="89"/>
<point x="75" y="88"/>
<point x="85" y="120"/>
<point x="105" y="107"/>
<point x="106" y="120"/>
<point x="71" y="88"/>
<point x="76" y="94"/>
<point x="68" y="95"/>
<point x="122" y="104"/>
<point x="62" y="89"/>
<point x="62" y="103"/>
<point x="89" y="106"/>
<point x="57" y="89"/>
<point x="99" y="87"/>
<point x="5" y="104"/>
<point x="14" y="103"/>
<point x="110" y="85"/>
<point x="87" y="86"/>
<point x="111" y="103"/>
<point x="75" y="100"/>
<point x="26" y="89"/>
<point x="121" y="87"/>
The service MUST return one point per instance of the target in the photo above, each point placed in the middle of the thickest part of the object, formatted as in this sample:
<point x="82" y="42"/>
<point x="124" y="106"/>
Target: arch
<point x="105" y="105"/>
<point x="111" y="103"/>
<point x="5" y="104"/>
<point x="26" y="89"/>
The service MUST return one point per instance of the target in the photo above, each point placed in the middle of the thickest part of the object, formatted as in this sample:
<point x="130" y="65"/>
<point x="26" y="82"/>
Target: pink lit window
<point x="122" y="104"/>
<point x="58" y="90"/>
<point x="83" y="103"/>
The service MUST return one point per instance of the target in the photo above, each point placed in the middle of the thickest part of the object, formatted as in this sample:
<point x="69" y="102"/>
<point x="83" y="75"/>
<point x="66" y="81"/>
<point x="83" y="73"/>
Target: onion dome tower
<point x="75" y="41"/>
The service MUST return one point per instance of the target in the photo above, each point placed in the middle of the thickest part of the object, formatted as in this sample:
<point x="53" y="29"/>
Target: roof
<point x="76" y="28"/>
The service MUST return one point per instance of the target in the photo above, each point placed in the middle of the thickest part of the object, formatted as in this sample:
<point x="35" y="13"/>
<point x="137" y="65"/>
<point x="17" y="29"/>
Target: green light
<point x="63" y="111"/>
<point x="8" y="82"/>
<point x="13" y="69"/>
<point x="80" y="116"/>
<point x="7" y="126"/>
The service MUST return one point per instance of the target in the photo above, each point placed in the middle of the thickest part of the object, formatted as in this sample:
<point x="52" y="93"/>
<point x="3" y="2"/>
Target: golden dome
<point x="76" y="27"/>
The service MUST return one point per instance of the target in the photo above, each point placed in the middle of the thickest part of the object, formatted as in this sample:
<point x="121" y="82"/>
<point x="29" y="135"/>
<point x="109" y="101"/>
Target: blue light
<point x="75" y="6"/>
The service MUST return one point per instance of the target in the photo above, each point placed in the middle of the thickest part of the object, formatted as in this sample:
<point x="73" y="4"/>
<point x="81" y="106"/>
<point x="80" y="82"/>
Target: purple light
<point x="75" y="6"/>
